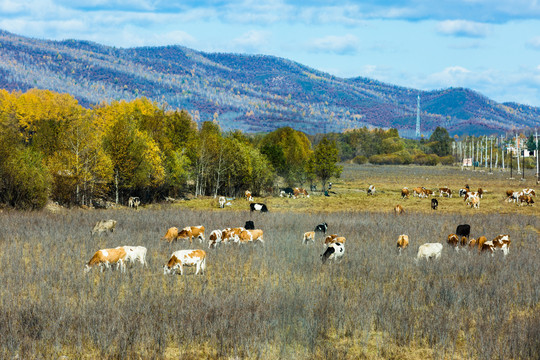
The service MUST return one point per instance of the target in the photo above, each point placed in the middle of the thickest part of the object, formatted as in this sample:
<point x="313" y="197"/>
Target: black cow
<point x="434" y="204"/>
<point x="249" y="225"/>
<point x="463" y="230"/>
<point x="258" y="207"/>
<point x="321" y="228"/>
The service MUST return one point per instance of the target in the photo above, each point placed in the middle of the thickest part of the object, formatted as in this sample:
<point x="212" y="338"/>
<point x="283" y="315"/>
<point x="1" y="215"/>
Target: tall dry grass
<point x="269" y="302"/>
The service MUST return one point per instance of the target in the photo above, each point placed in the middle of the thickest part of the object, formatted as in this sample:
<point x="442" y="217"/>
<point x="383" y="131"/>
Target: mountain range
<point x="253" y="93"/>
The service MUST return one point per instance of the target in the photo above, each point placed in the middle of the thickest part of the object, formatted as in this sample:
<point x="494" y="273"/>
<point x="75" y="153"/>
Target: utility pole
<point x="502" y="153"/>
<point x="537" y="172"/>
<point x="517" y="148"/>
<point x="490" y="155"/>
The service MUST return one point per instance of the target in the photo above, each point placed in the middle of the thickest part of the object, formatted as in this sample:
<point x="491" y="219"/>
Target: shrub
<point x="447" y="160"/>
<point x="360" y="159"/>
<point x="426" y="159"/>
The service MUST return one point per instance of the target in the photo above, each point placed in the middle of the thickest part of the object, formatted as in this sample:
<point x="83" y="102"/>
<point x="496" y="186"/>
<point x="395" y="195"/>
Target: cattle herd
<point x="471" y="198"/>
<point x="334" y="244"/>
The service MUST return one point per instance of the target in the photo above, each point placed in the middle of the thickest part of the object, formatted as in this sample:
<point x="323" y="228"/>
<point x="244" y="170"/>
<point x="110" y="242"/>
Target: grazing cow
<point x="134" y="201"/>
<point x="453" y="240"/>
<point x="527" y="199"/>
<point x="371" y="190"/>
<point x="464" y="241"/>
<point x="215" y="238"/>
<point x="222" y="201"/>
<point x="480" y="193"/>
<point x="321" y="228"/>
<point x="286" y="192"/>
<point x="462" y="192"/>
<point x="487" y="246"/>
<point x="445" y="191"/>
<point x="300" y="191"/>
<point x="429" y="251"/>
<point x="472" y="243"/>
<point x="334" y="252"/>
<point x="434" y="204"/>
<point x="232" y="234"/>
<point x="426" y="193"/>
<point x="334" y="238"/>
<point x="135" y="254"/>
<point x="530" y="192"/>
<point x="180" y="258"/>
<point x="402" y="243"/>
<point x="249" y="225"/>
<point x="104" y="226"/>
<point x="405" y="193"/>
<point x="258" y="207"/>
<point x="418" y="190"/>
<point x="398" y="209"/>
<point x="250" y="236"/>
<point x="480" y="242"/>
<point x="510" y="195"/>
<point x="106" y="258"/>
<point x="247" y="193"/>
<point x="171" y="235"/>
<point x="190" y="232"/>
<point x="474" y="201"/>
<point x="502" y="242"/>
<point x="463" y="230"/>
<point x="310" y="235"/>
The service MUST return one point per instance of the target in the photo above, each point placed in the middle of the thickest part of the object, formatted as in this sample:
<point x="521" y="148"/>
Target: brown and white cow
<point x="308" y="236"/>
<point x="182" y="258"/>
<point x="329" y="239"/>
<point x="530" y="192"/>
<point x="190" y="232"/>
<point x="250" y="236"/>
<point x="502" y="242"/>
<point x="417" y="191"/>
<point x="105" y="258"/>
<point x="453" y="240"/>
<point x="171" y="235"/>
<point x="402" y="243"/>
<point x="472" y="243"/>
<point x="525" y="199"/>
<point x="135" y="254"/>
<point x="300" y="192"/>
<point x="247" y="193"/>
<point x="405" y="193"/>
<point x="398" y="209"/>
<point x="474" y="201"/>
<point x="371" y="190"/>
<point x="445" y="191"/>
<point x="215" y="238"/>
<point x="232" y="234"/>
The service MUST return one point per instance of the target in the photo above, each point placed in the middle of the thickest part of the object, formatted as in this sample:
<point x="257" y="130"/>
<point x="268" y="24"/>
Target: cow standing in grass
<point x="182" y="258"/>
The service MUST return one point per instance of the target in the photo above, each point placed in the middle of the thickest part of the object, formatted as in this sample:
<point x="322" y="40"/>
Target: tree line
<point x="52" y="147"/>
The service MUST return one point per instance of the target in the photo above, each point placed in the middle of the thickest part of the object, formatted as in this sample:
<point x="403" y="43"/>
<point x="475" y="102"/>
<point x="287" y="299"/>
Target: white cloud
<point x="462" y="28"/>
<point x="251" y="41"/>
<point x="347" y="44"/>
<point x="534" y="43"/>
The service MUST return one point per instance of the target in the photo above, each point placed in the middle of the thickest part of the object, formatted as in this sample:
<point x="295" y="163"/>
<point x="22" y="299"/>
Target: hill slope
<point x="252" y="93"/>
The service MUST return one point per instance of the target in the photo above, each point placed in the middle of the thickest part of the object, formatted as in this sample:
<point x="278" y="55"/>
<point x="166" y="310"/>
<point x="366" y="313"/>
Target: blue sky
<point x="492" y="46"/>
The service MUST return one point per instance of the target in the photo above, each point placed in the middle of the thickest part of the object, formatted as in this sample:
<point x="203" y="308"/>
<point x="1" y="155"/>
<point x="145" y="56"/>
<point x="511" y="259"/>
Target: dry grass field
<point x="278" y="301"/>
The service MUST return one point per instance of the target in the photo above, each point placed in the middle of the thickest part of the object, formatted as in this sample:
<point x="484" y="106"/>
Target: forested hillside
<point x="250" y="93"/>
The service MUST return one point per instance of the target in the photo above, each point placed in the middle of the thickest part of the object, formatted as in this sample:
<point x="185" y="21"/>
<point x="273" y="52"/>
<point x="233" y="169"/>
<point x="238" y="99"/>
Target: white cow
<point x="135" y="254"/>
<point x="222" y="202"/>
<point x="180" y="258"/>
<point x="429" y="251"/>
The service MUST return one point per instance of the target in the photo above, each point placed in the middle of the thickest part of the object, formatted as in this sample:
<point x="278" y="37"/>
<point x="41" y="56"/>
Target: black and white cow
<point x="258" y="207"/>
<point x="334" y="252"/>
<point x="321" y="228"/>
<point x="286" y="192"/>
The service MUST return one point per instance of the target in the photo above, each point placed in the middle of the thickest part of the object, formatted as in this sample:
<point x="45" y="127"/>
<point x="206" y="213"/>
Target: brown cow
<point x="171" y="235"/>
<point x="445" y="191"/>
<point x="405" y="193"/>
<point x="417" y="191"/>
<point x="250" y="236"/>
<point x="247" y="193"/>
<point x="480" y="242"/>
<point x="310" y="235"/>
<point x="398" y="209"/>
<point x="480" y="192"/>
<point x="402" y="243"/>
<point x="453" y="240"/>
<point x="190" y="232"/>
<point x="106" y="258"/>
<point x="300" y="192"/>
<point x="527" y="199"/>
<point x="330" y="239"/>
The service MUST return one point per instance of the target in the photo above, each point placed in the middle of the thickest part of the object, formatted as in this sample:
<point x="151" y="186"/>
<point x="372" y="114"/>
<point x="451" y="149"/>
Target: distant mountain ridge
<point x="248" y="92"/>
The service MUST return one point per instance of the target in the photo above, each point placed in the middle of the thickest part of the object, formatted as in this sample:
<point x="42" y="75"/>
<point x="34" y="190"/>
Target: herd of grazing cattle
<point x="471" y="198"/>
<point x="334" y="244"/>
